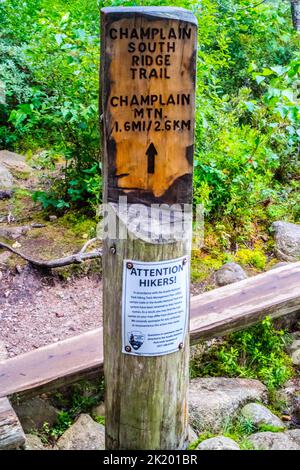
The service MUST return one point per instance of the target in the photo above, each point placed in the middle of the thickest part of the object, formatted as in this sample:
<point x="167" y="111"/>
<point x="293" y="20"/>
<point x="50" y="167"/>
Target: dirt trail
<point x="36" y="309"/>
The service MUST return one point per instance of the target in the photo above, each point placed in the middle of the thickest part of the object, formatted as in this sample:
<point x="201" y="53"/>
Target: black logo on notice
<point x="136" y="339"/>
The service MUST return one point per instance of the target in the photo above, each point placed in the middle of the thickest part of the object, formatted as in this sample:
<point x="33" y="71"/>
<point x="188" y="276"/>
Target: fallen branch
<point x="76" y="258"/>
<point x="88" y="243"/>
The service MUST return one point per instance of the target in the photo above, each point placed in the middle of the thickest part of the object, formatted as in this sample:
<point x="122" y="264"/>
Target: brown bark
<point x="295" y="10"/>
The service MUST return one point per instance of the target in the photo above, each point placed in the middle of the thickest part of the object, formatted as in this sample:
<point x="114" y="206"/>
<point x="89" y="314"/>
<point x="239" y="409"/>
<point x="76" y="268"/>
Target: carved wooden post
<point x="148" y="98"/>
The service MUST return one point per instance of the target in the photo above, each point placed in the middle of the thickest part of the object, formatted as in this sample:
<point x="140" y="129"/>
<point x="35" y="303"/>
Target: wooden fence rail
<point x="215" y="313"/>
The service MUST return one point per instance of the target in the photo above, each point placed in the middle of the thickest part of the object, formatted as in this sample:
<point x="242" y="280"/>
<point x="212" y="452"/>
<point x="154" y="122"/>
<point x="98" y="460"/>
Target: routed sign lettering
<point x="149" y="64"/>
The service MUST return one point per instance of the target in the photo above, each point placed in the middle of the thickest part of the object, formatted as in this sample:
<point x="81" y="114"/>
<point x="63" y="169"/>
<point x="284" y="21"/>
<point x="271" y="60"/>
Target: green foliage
<point x="247" y="110"/>
<point x="79" y="223"/>
<point x="203" y="266"/>
<point x="238" y="429"/>
<point x="80" y="398"/>
<point x="64" y="421"/>
<point x="85" y="395"/>
<point x="50" y="200"/>
<point x="270" y="428"/>
<point x="100" y="419"/>
<point x="257" y="352"/>
<point x="255" y="258"/>
<point x="246" y="127"/>
<point x="202" y="437"/>
<point x="53" y="97"/>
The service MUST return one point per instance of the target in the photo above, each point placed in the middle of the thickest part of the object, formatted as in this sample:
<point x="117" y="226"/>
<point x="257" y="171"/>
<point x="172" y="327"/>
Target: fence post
<point x="148" y="58"/>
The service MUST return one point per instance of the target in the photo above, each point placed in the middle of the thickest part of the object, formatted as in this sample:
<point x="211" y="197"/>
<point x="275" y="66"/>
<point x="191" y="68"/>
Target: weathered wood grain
<point x="11" y="432"/>
<point x="274" y="293"/>
<point x="54" y="365"/>
<point x="146" y="397"/>
<point x="148" y="102"/>
<point x="154" y="110"/>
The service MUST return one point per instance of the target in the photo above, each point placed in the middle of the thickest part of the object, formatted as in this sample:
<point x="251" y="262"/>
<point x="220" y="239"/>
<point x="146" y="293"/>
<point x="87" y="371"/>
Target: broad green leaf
<point x="259" y="79"/>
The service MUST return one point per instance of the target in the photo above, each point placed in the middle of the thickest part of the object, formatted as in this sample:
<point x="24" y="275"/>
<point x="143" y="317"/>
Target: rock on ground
<point x="4" y="256"/>
<point x="294" y="350"/>
<point x="294" y="346"/>
<point x="13" y="233"/>
<point x="33" y="442"/>
<point x="6" y="178"/>
<point x="84" y="434"/>
<point x="294" y="434"/>
<point x="287" y="240"/>
<point x="192" y="435"/>
<point x="295" y="356"/>
<point x="229" y="273"/>
<point x="289" y="394"/>
<point x="289" y="440"/>
<point x="99" y="410"/>
<point x="34" y="413"/>
<point x="259" y="414"/>
<point x="3" y="350"/>
<point x="213" y="401"/>
<point x="218" y="443"/>
<point x="15" y="163"/>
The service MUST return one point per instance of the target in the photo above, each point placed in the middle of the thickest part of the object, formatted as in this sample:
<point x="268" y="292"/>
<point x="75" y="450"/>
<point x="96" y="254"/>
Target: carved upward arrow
<point x="151" y="152"/>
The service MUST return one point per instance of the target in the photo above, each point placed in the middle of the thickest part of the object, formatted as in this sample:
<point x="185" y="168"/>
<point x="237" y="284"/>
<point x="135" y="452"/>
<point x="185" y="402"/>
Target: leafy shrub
<point x="82" y="397"/>
<point x="59" y="107"/>
<point x="247" y="114"/>
<point x="64" y="421"/>
<point x="255" y="258"/>
<point x="257" y="352"/>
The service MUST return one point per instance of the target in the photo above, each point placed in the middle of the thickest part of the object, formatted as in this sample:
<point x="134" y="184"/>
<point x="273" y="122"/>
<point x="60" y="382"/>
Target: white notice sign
<point x="155" y="304"/>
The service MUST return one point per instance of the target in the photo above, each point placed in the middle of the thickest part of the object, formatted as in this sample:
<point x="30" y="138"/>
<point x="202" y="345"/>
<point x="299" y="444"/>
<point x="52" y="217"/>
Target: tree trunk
<point x="295" y="9"/>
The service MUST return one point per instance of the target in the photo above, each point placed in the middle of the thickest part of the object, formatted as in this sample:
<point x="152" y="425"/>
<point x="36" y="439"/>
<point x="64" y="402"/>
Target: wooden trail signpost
<point x="148" y="65"/>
